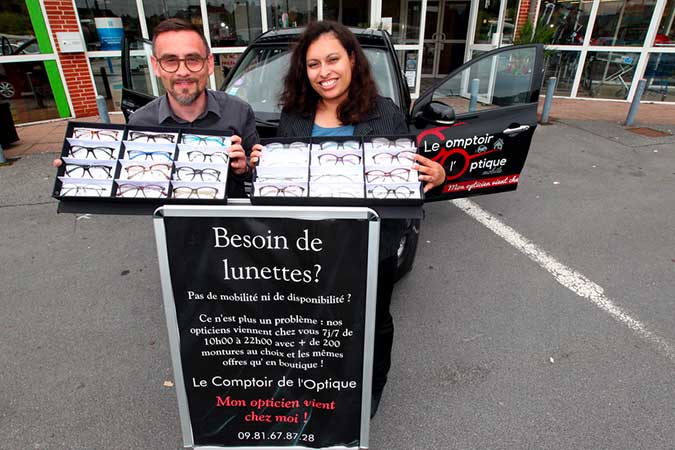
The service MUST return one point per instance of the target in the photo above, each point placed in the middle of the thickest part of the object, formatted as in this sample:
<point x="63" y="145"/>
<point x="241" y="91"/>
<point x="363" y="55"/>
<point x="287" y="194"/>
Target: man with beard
<point x="183" y="61"/>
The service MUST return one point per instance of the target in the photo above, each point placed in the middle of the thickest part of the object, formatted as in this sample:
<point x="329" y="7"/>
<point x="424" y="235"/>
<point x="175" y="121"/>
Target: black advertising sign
<point x="270" y="314"/>
<point x="477" y="162"/>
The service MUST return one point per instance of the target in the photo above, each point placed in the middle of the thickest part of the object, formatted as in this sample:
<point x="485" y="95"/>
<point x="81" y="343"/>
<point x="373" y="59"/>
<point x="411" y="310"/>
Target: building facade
<point x="57" y="55"/>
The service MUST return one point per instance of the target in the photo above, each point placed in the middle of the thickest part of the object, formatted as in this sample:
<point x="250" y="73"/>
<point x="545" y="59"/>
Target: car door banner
<point x="477" y="162"/>
<point x="271" y="319"/>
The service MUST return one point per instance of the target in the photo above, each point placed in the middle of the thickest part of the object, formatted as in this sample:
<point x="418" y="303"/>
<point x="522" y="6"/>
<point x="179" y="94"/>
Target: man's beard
<point x="186" y="98"/>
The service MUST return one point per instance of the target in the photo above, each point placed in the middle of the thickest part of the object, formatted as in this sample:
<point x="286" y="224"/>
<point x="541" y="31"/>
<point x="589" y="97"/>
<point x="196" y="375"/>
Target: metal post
<point x="632" y="112"/>
<point x="473" y="102"/>
<point x="102" y="109"/>
<point x="2" y="156"/>
<point x="549" y="99"/>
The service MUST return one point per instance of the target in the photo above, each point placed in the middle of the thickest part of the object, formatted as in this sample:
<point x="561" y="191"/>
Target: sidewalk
<point x="48" y="137"/>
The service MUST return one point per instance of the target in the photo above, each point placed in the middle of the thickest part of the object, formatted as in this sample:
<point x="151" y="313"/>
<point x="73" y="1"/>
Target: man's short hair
<point x="176" y="24"/>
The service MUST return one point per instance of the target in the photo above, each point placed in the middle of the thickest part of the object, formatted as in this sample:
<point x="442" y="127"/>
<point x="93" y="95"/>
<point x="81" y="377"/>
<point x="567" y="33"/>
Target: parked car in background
<point x="482" y="139"/>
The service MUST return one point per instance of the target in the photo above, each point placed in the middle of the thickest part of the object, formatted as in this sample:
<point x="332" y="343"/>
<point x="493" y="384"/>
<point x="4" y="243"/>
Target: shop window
<point x="290" y="13"/>
<point x="17" y="37"/>
<point x="223" y="64"/>
<point x="563" y="66"/>
<point x="156" y="11"/>
<point x="353" y="13"/>
<point x="26" y="86"/>
<point x="608" y="75"/>
<point x="665" y="36"/>
<point x="108" y="78"/>
<point x="568" y="19"/>
<point x="233" y="23"/>
<point x="105" y="23"/>
<point x="660" y="76"/>
<point x="486" y="23"/>
<point x="622" y="22"/>
<point x="405" y="16"/>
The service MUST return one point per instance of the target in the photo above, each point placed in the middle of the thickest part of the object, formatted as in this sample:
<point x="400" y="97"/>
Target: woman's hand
<point x="237" y="156"/>
<point x="432" y="174"/>
<point x="256" y="151"/>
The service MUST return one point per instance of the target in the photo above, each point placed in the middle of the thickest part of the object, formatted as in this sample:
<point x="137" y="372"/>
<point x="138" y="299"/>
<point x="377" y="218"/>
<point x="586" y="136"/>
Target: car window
<point x="258" y="79"/>
<point x="503" y="79"/>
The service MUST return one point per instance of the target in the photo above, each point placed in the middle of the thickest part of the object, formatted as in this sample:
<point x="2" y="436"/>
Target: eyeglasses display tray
<point x="146" y="165"/>
<point x="338" y="171"/>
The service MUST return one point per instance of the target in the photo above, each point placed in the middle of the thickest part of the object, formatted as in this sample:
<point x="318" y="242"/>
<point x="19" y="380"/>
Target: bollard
<point x="102" y="109"/>
<point x="632" y="112"/>
<point x="474" y="94"/>
<point x="2" y="156"/>
<point x="549" y="99"/>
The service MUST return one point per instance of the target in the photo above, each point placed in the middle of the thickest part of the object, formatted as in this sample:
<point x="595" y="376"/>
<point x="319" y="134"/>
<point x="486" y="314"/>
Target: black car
<point x="478" y="122"/>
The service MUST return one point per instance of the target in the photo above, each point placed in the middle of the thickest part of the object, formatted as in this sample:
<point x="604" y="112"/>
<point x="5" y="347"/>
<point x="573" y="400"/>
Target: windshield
<point x="258" y="79"/>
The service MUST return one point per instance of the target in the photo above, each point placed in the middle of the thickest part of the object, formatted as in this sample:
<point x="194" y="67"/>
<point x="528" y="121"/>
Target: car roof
<point x="368" y="37"/>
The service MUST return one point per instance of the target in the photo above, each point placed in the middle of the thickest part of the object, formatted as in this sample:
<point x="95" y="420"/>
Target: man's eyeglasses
<point x="397" y="175"/>
<point x="143" y="136"/>
<point x="403" y="157"/>
<point x="82" y="152"/>
<point x="143" y="191"/>
<point x="329" y="159"/>
<point x="291" y="190"/>
<point x="197" y="156"/>
<point x="88" y="171"/>
<point x="397" y="192"/>
<point x="191" y="174"/>
<point x="82" y="190"/>
<point x="155" y="170"/>
<point x="149" y="156"/>
<point x="194" y="63"/>
<point x="205" y="140"/>
<point x="202" y="192"/>
<point x="101" y="135"/>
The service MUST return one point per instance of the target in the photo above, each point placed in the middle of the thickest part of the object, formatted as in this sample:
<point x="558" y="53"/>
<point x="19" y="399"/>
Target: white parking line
<point x="570" y="278"/>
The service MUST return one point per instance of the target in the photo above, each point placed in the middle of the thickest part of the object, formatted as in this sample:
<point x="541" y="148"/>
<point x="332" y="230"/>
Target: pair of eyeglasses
<point x="202" y="192"/>
<point x="82" y="190"/>
<point x="143" y="136"/>
<point x="149" y="156"/>
<point x="346" y="145"/>
<point x="397" y="175"/>
<point x="156" y="170"/>
<point x="88" y="171"/>
<point x="337" y="193"/>
<point x="274" y="146"/>
<point x="82" y="152"/>
<point x="329" y="159"/>
<point x="194" y="63"/>
<point x="400" y="192"/>
<point x="204" y="140"/>
<point x="404" y="157"/>
<point x="90" y="133"/>
<point x="191" y="174"/>
<point x="387" y="143"/>
<point x="142" y="191"/>
<point x="215" y="157"/>
<point x="291" y="190"/>
<point x="334" y="178"/>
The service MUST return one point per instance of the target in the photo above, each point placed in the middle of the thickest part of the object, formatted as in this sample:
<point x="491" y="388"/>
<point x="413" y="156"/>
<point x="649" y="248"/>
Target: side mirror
<point x="436" y="112"/>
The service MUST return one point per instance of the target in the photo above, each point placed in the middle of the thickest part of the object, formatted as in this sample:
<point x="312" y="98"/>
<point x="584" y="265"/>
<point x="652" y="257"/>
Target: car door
<point x="132" y="97"/>
<point x="479" y="121"/>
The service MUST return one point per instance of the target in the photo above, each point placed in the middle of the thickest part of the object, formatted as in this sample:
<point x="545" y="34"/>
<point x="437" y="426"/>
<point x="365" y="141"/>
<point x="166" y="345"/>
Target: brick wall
<point x="61" y="16"/>
<point x="523" y="13"/>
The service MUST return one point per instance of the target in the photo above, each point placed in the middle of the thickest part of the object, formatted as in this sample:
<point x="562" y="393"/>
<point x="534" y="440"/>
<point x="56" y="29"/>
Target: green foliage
<point x="543" y="34"/>
<point x="13" y="23"/>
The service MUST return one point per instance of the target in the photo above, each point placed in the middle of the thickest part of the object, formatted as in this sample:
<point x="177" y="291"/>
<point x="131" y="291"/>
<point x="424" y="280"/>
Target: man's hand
<point x="432" y="174"/>
<point x="57" y="163"/>
<point x="237" y="156"/>
<point x="256" y="151"/>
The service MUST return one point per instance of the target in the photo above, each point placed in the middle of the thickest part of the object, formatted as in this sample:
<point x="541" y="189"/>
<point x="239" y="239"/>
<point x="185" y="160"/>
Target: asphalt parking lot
<point x="537" y="319"/>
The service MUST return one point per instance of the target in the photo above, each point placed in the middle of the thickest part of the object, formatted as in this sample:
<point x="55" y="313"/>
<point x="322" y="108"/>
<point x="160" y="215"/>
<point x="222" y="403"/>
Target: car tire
<point x="407" y="249"/>
<point x="7" y="89"/>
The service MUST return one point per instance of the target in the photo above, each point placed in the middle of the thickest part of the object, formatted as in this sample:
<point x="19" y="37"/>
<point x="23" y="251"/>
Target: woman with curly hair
<point x="329" y="91"/>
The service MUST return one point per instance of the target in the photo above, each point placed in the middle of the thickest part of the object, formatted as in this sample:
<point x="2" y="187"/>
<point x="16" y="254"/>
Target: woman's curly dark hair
<point x="298" y="95"/>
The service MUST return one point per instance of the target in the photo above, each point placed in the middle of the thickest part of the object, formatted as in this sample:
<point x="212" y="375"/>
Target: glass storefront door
<point x="444" y="38"/>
